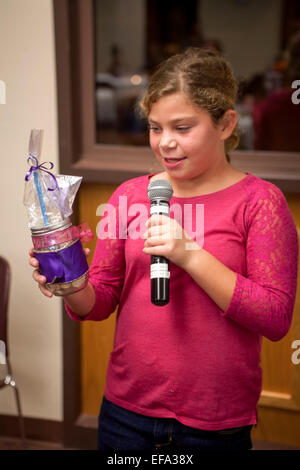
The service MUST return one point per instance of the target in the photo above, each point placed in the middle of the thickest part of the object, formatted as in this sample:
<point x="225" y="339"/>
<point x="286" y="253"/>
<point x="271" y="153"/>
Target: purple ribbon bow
<point x="41" y="167"/>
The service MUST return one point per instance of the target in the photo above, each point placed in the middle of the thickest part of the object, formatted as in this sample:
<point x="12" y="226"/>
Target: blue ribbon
<point x="41" y="167"/>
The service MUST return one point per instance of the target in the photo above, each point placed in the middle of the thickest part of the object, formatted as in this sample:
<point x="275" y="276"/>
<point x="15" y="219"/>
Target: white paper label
<point x="159" y="210"/>
<point x="159" y="270"/>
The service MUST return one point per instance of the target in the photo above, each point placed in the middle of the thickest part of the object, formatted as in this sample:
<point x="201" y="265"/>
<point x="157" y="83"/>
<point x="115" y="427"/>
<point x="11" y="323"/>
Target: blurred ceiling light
<point x="136" y="79"/>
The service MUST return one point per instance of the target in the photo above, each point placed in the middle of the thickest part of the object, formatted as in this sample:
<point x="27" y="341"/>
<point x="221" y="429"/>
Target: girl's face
<point x="184" y="138"/>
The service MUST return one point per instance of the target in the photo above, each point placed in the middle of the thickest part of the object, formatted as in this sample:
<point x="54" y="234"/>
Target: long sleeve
<point x="107" y="269"/>
<point x="263" y="300"/>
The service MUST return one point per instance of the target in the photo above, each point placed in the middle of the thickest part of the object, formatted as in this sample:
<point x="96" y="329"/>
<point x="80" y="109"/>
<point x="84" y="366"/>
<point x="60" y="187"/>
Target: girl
<point x="186" y="375"/>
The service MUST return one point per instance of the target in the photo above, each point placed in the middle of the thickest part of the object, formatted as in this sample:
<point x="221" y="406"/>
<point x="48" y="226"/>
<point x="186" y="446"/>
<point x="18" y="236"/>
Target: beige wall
<point x="27" y="66"/>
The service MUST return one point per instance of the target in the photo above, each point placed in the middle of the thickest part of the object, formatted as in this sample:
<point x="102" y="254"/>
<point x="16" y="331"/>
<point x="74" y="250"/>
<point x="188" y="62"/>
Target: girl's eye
<point x="183" y="128"/>
<point x="154" y="128"/>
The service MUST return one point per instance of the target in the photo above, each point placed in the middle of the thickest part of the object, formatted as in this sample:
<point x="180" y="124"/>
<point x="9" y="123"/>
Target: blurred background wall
<point x="27" y="66"/>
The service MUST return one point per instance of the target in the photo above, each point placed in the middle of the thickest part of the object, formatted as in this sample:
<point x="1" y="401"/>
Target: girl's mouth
<point x="174" y="162"/>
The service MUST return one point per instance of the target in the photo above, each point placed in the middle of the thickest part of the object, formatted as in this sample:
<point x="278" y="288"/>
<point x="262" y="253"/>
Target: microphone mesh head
<point x="160" y="189"/>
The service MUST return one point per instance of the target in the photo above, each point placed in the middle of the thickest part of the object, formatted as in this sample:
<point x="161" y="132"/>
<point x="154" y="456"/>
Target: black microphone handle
<point x="160" y="267"/>
<point x="159" y="281"/>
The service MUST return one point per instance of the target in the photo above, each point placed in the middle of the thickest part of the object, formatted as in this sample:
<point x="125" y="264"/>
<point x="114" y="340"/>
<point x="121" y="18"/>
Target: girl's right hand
<point x="41" y="280"/>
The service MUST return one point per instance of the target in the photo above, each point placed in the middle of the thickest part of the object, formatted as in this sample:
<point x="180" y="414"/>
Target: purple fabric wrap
<point x="65" y="265"/>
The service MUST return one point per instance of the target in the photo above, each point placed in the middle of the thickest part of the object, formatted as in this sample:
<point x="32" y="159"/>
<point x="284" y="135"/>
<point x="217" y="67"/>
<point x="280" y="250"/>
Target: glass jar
<point x="61" y="258"/>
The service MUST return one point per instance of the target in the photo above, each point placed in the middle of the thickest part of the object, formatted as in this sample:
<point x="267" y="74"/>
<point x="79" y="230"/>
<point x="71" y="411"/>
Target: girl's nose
<point x="167" y="142"/>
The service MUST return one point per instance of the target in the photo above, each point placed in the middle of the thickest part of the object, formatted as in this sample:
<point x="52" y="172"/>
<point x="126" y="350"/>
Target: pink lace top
<point x="189" y="360"/>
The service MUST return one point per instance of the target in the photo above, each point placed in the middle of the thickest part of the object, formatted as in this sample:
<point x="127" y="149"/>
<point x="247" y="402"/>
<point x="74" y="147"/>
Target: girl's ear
<point x="228" y="123"/>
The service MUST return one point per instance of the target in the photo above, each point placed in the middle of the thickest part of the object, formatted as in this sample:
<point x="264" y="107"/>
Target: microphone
<point x="160" y="193"/>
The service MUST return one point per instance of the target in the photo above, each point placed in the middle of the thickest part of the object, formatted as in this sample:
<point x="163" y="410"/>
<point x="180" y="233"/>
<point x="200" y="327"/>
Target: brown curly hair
<point x="207" y="80"/>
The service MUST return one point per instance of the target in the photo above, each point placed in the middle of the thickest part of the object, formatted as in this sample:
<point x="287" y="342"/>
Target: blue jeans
<point x="123" y="430"/>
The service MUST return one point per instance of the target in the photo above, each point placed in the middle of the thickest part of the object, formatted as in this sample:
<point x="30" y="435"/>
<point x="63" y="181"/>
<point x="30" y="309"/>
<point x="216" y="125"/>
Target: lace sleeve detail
<point x="107" y="270"/>
<point x="263" y="300"/>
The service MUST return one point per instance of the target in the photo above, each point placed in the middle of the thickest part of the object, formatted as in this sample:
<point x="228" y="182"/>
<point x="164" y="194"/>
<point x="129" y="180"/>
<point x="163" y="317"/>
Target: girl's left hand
<point x="165" y="237"/>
